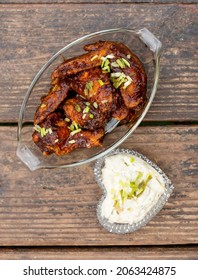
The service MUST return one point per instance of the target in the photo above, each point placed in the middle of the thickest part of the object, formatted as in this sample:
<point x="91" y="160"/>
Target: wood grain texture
<point x="31" y="34"/>
<point x="58" y="207"/>
<point x="96" y="1"/>
<point x="189" y="252"/>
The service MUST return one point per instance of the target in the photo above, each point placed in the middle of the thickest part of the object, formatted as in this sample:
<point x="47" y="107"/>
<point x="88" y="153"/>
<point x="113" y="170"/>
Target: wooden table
<point x="52" y="214"/>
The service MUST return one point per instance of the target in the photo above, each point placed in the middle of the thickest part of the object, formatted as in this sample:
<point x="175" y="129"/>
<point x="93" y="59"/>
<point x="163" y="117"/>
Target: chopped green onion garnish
<point x="75" y="131"/>
<point x="86" y="110"/>
<point x="77" y="107"/>
<point x="110" y="56"/>
<point x="139" y="176"/>
<point x="105" y="65"/>
<point x="75" y="125"/>
<point x="120" y="63"/>
<point x="55" y="88"/>
<point x="132" y="159"/>
<point x="91" y="116"/>
<point x="114" y="64"/>
<point x="56" y="141"/>
<point x="116" y="75"/>
<point x="102" y="64"/>
<point x="101" y="82"/>
<point x="49" y="130"/>
<point x="128" y="82"/>
<point x="126" y="62"/>
<point x="89" y="85"/>
<point x="95" y="105"/>
<point x="37" y="128"/>
<point x="87" y="103"/>
<point x="71" y="127"/>
<point x="119" y="78"/>
<point x="67" y="119"/>
<point x="42" y="130"/>
<point x="72" y="141"/>
<point x="128" y="56"/>
<point x="86" y="91"/>
<point x="104" y="101"/>
<point x="94" y="57"/>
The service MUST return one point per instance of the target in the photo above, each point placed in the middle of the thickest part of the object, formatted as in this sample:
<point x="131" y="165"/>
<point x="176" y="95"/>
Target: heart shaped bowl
<point x="142" y="42"/>
<point x="115" y="174"/>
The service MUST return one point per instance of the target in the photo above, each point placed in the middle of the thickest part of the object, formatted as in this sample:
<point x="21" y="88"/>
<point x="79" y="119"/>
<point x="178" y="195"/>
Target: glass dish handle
<point x="150" y="40"/>
<point x="26" y="156"/>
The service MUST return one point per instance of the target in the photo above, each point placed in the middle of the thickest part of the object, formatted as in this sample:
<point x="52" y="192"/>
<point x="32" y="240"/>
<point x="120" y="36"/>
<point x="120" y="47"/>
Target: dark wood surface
<point x="49" y="208"/>
<point x="101" y="253"/>
<point x="44" y="209"/>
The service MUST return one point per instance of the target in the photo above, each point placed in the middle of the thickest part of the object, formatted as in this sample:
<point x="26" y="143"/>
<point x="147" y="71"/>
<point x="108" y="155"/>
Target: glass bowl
<point x="142" y="42"/>
<point x="151" y="210"/>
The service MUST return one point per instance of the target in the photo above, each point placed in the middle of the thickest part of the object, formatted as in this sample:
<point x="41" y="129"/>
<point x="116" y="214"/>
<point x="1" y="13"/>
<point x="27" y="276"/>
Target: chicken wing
<point x="50" y="102"/>
<point x="51" y="134"/>
<point x="82" y="139"/>
<point x="54" y="135"/>
<point x="95" y="87"/>
<point x="125" y="62"/>
<point x="79" y="63"/>
<point x="134" y="95"/>
<point x="84" y="113"/>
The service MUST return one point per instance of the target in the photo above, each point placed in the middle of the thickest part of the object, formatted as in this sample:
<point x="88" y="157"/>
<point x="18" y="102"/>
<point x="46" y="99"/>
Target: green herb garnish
<point x="101" y="82"/>
<point x="94" y="57"/>
<point x="43" y="105"/>
<point x="77" y="107"/>
<point x="71" y="141"/>
<point x="120" y="78"/>
<point x="75" y="131"/>
<point x="126" y="62"/>
<point x="42" y="130"/>
<point x="95" y="104"/>
<point x="88" y="87"/>
<point x="55" y="88"/>
<point x="86" y="110"/>
<point x="120" y="63"/>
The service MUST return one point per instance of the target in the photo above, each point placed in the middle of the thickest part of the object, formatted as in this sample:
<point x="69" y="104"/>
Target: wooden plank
<point x="100" y="253"/>
<point x="58" y="207"/>
<point x="96" y="1"/>
<point x="31" y="34"/>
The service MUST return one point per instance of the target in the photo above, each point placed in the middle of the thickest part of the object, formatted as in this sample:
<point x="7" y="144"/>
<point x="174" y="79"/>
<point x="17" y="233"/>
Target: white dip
<point x="133" y="187"/>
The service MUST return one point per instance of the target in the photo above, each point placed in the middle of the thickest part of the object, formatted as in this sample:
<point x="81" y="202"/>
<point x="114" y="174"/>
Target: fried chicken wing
<point x="51" y="134"/>
<point x="54" y="135"/>
<point x="80" y="63"/>
<point x="84" y="113"/>
<point x="118" y="50"/>
<point x="95" y="87"/>
<point x="50" y="102"/>
<point x="126" y="62"/>
<point x="82" y="139"/>
<point x="134" y="95"/>
<point x="119" y="111"/>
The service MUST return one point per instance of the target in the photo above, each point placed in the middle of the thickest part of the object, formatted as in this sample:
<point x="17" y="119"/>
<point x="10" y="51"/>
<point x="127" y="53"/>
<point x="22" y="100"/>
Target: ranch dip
<point x="132" y="186"/>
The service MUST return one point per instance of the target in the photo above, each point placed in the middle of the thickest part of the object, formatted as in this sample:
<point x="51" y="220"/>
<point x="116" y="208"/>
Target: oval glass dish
<point x="142" y="42"/>
<point x="154" y="196"/>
